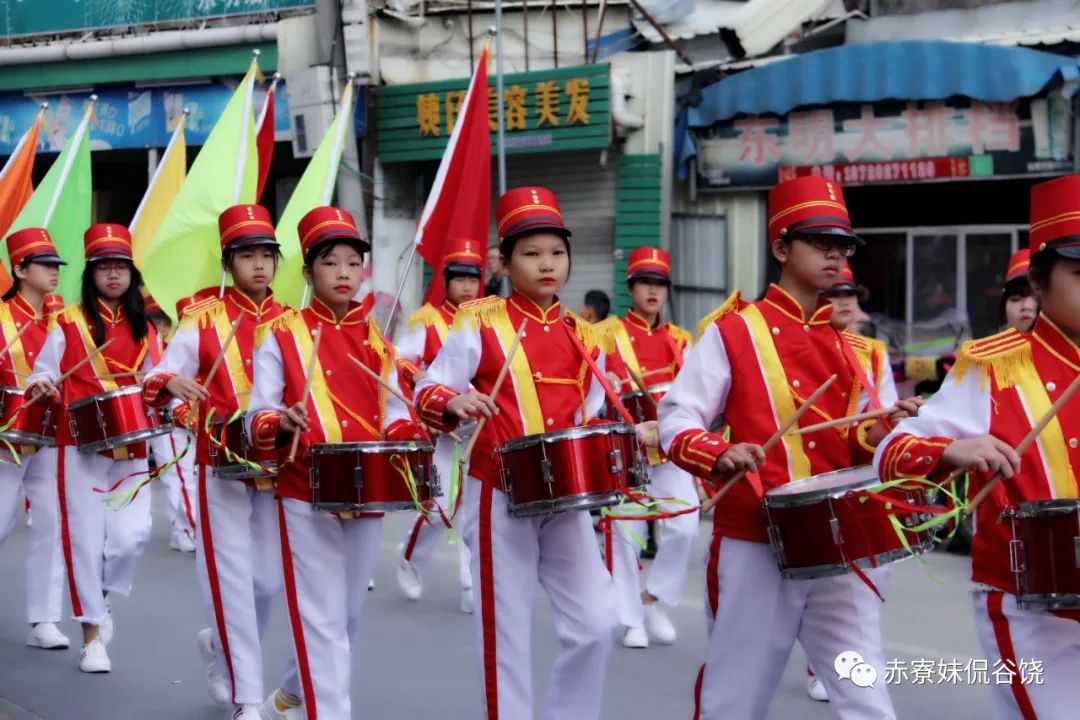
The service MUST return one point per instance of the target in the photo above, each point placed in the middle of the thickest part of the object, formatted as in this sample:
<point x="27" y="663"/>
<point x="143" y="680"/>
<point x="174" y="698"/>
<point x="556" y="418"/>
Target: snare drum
<point x="1045" y="554"/>
<point x="638" y="405"/>
<point x="113" y="419"/>
<point x="819" y="527"/>
<point x="580" y="468"/>
<point x="33" y="424"/>
<point x="369" y="476"/>
<point x="233" y="436"/>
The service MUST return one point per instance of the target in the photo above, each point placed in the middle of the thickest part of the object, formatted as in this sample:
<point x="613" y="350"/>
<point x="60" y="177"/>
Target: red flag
<point x="460" y="201"/>
<point x="264" y="140"/>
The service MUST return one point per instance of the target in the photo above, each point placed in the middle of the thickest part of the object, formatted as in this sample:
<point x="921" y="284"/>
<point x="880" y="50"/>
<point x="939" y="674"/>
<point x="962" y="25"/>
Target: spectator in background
<point x="597" y="306"/>
<point x="498" y="282"/>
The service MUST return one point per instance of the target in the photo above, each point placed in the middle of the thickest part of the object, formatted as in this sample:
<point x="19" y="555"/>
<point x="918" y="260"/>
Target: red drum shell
<point x="34" y="425"/>
<point x="580" y="468"/>
<point x="362" y="477"/>
<point x="640" y="408"/>
<point x="113" y="419"/>
<point x="1045" y="554"/>
<point x="818" y="527"/>
<point x="234" y="436"/>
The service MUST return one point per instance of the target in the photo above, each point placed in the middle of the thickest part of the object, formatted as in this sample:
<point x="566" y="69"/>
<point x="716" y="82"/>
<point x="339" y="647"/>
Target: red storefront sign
<point x="889" y="171"/>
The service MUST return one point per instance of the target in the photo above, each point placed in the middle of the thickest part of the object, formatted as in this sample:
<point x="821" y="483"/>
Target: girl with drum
<point x="549" y="388"/>
<point x="239" y="559"/>
<point x="1027" y="585"/>
<point x="35" y="265"/>
<point x="309" y="396"/>
<point x="106" y="340"/>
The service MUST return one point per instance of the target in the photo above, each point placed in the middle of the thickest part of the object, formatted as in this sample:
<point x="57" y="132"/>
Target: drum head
<point x="128" y="390"/>
<point x="1047" y="508"/>
<point x="370" y="447"/>
<point x="812" y="489"/>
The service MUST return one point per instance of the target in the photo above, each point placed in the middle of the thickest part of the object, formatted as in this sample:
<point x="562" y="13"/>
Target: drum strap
<point x="856" y="367"/>
<point x="611" y="396"/>
<point x="355" y="416"/>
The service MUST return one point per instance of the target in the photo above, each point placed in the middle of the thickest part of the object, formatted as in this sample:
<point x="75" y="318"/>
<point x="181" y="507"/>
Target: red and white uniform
<point x="427" y="330"/>
<point x="239" y="559"/>
<point x="654" y="354"/>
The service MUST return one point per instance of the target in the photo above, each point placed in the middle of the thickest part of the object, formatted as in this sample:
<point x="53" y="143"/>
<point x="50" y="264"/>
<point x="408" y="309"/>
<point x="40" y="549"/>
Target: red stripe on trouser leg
<point x="487" y="604"/>
<point x="65" y="533"/>
<point x="183" y="485"/>
<point x="609" y="548"/>
<point x="302" y="665"/>
<point x="712" y="574"/>
<point x="413" y="537"/>
<point x="212" y="578"/>
<point x="697" y="691"/>
<point x="994" y="601"/>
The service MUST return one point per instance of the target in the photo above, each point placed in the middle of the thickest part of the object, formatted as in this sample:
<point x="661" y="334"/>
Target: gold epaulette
<point x="69" y="314"/>
<point x="198" y="306"/>
<point x="378" y="342"/>
<point x="481" y="311"/>
<point x="680" y="334"/>
<point x="426" y="316"/>
<point x="593" y="335"/>
<point x="734" y="303"/>
<point x="204" y="313"/>
<point x="862" y="347"/>
<point x="1006" y="355"/>
<point x="284" y="321"/>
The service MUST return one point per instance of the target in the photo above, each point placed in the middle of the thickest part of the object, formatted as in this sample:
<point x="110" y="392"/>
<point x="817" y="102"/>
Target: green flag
<point x="62" y="203"/>
<point x="316" y="187"/>
<point x="186" y="254"/>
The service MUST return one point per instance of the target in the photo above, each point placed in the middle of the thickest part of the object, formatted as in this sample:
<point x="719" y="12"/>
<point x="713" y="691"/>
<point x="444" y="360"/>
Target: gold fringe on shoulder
<point x="734" y="303"/>
<point x="204" y="314"/>
<point x="426" y="316"/>
<point x="69" y="314"/>
<point x="593" y="336"/>
<point x="861" y="347"/>
<point x="1006" y="356"/>
<point x="681" y="334"/>
<point x="473" y="314"/>
<point x="283" y="321"/>
<point x="378" y="341"/>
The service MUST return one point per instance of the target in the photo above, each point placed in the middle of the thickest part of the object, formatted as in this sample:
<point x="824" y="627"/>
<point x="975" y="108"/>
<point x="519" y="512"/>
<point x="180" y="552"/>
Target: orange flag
<point x="16" y="186"/>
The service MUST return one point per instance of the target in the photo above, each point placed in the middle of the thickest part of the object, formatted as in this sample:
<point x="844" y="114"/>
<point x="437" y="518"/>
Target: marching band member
<point x="35" y="266"/>
<point x="549" y="387"/>
<point x="328" y="558"/>
<point x="238" y="554"/>
<point x="100" y="546"/>
<point x="654" y="352"/>
<point x="1018" y="307"/>
<point x="996" y="392"/>
<point x="752" y="366"/>
<point x="428" y="328"/>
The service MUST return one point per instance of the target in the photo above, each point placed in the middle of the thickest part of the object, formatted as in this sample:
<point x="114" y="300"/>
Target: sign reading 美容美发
<point x="44" y="17"/>
<point x="544" y="111"/>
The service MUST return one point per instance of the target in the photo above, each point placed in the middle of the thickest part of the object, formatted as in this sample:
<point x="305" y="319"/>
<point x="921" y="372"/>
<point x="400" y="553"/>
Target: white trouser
<point x="100" y="545"/>
<point x="668" y="573"/>
<point x="1012" y="638"/>
<point x="179" y="479"/>
<point x="510" y="557"/>
<point x="327" y="564"/>
<point x="239" y="568"/>
<point x="44" y="562"/>
<point x="754" y="615"/>
<point x="420" y="539"/>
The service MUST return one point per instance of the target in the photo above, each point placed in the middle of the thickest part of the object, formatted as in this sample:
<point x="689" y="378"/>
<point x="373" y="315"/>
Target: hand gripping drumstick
<point x="10" y="345"/>
<point x="309" y="373"/>
<point x="467" y="452"/>
<point x="391" y="389"/>
<point x="1027" y="441"/>
<point x="777" y="436"/>
<point x="850" y="419"/>
<point x="59" y="381"/>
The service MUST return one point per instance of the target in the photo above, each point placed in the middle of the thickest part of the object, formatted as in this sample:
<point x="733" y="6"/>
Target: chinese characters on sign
<point x="556" y="104"/>
<point x="971" y="671"/>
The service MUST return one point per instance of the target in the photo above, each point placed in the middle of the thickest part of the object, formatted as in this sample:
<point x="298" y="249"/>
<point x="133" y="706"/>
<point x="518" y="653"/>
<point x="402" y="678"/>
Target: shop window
<point x="699" y="266"/>
<point x="986" y="255"/>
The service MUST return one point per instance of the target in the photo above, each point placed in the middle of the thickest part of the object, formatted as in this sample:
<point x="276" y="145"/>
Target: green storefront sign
<point x="43" y="17"/>
<point x="545" y="111"/>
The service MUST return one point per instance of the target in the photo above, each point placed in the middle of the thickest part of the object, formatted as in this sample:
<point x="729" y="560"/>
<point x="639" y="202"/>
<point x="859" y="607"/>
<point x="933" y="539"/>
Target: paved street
<point x="417" y="660"/>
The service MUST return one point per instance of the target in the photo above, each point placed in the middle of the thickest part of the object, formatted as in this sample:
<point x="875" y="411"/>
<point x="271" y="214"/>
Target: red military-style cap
<point x="463" y="257"/>
<point x="184" y="304"/>
<point x="149" y="302"/>
<point x="32" y="244"/>
<point x="1055" y="216"/>
<point x="326" y="223"/>
<point x="809" y="205"/>
<point x="245" y="225"/>
<point x="649" y="263"/>
<point x="528" y="209"/>
<point x="1019" y="264"/>
<point x="845" y="283"/>
<point x="107" y="241"/>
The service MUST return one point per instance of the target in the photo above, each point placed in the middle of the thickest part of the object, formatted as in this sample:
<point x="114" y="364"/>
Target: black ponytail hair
<point x="131" y="301"/>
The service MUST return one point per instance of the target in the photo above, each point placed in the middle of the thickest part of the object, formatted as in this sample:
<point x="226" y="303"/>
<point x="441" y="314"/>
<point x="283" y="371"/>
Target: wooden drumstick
<point x="850" y="419"/>
<point x="390" y="388"/>
<point x="60" y="381"/>
<point x="641" y="386"/>
<point x="10" y="345"/>
<point x="777" y="436"/>
<point x="309" y="372"/>
<point x="467" y="452"/>
<point x="1031" y="437"/>
<point x="218" y="360"/>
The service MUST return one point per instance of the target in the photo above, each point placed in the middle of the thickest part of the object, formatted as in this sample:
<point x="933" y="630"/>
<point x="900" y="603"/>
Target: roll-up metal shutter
<point x="586" y="192"/>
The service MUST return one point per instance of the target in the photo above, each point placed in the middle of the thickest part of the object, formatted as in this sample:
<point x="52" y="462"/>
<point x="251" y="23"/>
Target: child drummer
<point x="463" y="267"/>
<point x="238" y="554"/>
<point x="754" y="365"/>
<point x="328" y="558"/>
<point x="653" y="351"/>
<point x="549" y="387"/>
<point x="998" y="389"/>
<point x="100" y="545"/>
<point x="35" y="266"/>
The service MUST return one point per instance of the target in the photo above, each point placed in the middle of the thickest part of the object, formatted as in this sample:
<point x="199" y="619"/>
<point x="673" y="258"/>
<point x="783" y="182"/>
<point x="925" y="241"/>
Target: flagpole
<point x="66" y="170"/>
<point x="501" y="143"/>
<point x="344" y="119"/>
<point x="241" y="157"/>
<point x="169" y="149"/>
<point x="400" y="289"/>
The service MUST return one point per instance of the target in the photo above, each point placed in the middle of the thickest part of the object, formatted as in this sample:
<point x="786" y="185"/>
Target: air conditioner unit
<point x="311" y="108"/>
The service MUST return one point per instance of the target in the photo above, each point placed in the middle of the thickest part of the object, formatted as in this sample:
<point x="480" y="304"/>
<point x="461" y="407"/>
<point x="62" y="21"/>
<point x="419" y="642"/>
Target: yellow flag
<point x="163" y="189"/>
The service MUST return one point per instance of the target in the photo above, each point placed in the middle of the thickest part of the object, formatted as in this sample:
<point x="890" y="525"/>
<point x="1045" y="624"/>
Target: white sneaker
<point x="371" y="584"/>
<point x="659" y="626"/>
<point x="816" y="690"/>
<point x="181" y="542"/>
<point x="105" y="629"/>
<point x="281" y="706"/>
<point x="408" y="578"/>
<point x="467" y="601"/>
<point x="48" y="637"/>
<point x="635" y="637"/>
<point x="94" y="658"/>
<point x="219" y="691"/>
<point x="246" y="712"/>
